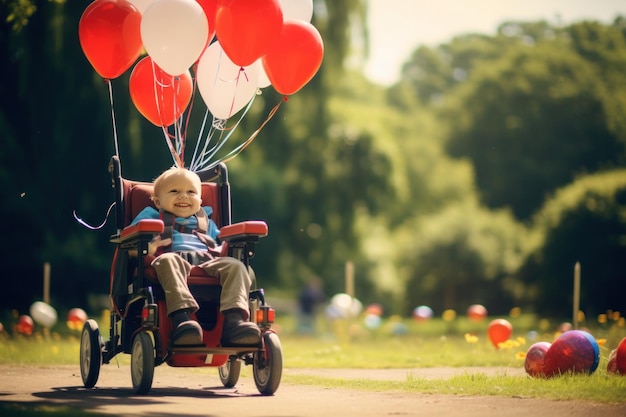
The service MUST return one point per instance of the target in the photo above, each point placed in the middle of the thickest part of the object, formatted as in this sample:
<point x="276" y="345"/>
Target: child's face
<point x="179" y="194"/>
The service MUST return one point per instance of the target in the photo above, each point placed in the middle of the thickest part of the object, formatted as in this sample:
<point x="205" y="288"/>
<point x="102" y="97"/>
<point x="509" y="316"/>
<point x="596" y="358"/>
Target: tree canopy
<point x="483" y="175"/>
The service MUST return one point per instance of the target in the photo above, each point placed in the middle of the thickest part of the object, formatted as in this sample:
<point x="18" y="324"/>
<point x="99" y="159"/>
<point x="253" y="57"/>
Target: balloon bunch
<point x="574" y="351"/>
<point x="235" y="47"/>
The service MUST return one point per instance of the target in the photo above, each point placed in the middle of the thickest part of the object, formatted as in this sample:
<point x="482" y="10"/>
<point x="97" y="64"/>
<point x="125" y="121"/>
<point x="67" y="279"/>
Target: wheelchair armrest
<point x="144" y="229"/>
<point x="248" y="231"/>
<point x="146" y="226"/>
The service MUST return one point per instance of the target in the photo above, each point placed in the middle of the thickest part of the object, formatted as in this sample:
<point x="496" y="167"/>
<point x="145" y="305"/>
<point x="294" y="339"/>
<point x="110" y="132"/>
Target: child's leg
<point x="172" y="272"/>
<point x="236" y="282"/>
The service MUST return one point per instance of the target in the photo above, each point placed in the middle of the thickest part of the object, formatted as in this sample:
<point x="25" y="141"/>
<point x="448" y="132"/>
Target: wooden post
<point x="350" y="278"/>
<point x="46" y="282"/>
<point x="576" y="307"/>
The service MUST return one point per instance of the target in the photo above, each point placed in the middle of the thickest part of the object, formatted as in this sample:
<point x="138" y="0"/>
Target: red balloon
<point x="499" y="331"/>
<point x="477" y="312"/>
<point x="375" y="309"/>
<point x="76" y="317"/>
<point x="210" y="10"/>
<point x="25" y="325"/>
<point x="159" y="96"/>
<point x="295" y="56"/>
<point x="620" y="357"/>
<point x="534" y="361"/>
<point x="246" y="28"/>
<point x="110" y="37"/>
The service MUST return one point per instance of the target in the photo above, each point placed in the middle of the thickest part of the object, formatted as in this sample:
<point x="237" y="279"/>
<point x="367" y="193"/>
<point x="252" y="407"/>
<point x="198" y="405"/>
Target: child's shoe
<point x="237" y="331"/>
<point x="187" y="332"/>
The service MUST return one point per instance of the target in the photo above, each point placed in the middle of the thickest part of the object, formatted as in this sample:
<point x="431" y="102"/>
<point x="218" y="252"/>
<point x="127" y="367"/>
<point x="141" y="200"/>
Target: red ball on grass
<point x="535" y="358"/>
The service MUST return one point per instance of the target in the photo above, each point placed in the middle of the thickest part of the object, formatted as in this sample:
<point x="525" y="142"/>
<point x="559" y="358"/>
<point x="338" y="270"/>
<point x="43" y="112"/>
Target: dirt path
<point x="198" y="392"/>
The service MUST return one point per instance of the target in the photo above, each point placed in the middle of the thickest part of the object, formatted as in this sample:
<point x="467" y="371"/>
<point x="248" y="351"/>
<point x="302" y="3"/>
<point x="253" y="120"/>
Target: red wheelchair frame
<point x="139" y="322"/>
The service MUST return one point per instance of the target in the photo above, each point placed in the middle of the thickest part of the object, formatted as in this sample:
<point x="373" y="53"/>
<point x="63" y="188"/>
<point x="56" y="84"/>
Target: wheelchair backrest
<point x="133" y="196"/>
<point x="137" y="197"/>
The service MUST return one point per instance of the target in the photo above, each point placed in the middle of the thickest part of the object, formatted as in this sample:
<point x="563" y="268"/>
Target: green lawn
<point x="395" y="343"/>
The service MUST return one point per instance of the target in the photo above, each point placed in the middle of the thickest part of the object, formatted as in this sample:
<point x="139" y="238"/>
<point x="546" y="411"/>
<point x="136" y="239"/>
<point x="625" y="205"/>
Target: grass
<point x="394" y="344"/>
<point x="598" y="387"/>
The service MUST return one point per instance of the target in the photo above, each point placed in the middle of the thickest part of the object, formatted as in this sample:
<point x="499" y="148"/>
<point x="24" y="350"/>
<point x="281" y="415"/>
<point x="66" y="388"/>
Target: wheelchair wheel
<point x="90" y="353"/>
<point x="229" y="372"/>
<point x="142" y="363"/>
<point x="267" y="367"/>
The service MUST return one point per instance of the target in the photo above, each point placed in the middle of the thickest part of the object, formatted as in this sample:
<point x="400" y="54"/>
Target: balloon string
<point x="179" y="140"/>
<point x="187" y="117"/>
<point x="195" y="151"/>
<point x="271" y="114"/>
<point x="232" y="103"/>
<point x="217" y="125"/>
<point x="110" y="85"/>
<point x="156" y="83"/>
<point x="88" y="226"/>
<point x="159" y="98"/>
<point x="220" y="124"/>
<point x="170" y="146"/>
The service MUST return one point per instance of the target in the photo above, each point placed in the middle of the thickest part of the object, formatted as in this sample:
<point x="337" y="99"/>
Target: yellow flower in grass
<point x="601" y="342"/>
<point x="471" y="338"/>
<point x="448" y="315"/>
<point x="520" y="355"/>
<point x="509" y="344"/>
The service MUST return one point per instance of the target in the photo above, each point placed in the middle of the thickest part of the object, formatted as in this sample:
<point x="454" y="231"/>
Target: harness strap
<point x="203" y="221"/>
<point x="169" y="223"/>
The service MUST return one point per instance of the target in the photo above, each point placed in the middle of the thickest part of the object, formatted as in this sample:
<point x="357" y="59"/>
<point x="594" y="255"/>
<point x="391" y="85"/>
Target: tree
<point x="530" y="122"/>
<point x="434" y="73"/>
<point x="465" y="255"/>
<point x="584" y="222"/>
<point x="604" y="48"/>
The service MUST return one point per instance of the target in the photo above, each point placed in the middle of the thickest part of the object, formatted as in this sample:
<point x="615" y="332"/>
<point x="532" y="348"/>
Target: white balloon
<point x="297" y="9"/>
<point x="43" y="314"/>
<point x="345" y="305"/>
<point x="141" y="5"/>
<point x="174" y="33"/>
<point x="225" y="86"/>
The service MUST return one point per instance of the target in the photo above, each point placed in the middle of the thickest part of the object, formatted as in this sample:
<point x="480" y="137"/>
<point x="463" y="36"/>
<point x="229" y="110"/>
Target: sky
<point x="398" y="27"/>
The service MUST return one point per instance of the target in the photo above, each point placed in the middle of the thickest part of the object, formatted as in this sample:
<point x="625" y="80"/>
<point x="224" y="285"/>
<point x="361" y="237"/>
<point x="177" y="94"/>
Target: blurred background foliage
<point x="483" y="175"/>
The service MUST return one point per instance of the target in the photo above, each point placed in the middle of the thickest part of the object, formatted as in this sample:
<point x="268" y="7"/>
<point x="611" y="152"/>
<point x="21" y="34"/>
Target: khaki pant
<point x="172" y="272"/>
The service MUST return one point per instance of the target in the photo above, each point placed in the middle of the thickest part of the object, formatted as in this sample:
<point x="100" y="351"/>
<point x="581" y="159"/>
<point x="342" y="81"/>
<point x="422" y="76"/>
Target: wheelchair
<point x="139" y="324"/>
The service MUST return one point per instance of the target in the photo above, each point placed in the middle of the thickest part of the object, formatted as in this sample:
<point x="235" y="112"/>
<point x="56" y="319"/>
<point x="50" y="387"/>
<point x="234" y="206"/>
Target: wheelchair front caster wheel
<point x="267" y="367"/>
<point x="90" y="353"/>
<point x="142" y="363"/>
<point x="229" y="372"/>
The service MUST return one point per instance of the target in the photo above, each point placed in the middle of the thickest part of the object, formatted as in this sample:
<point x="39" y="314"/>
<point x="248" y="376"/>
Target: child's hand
<point x="157" y="243"/>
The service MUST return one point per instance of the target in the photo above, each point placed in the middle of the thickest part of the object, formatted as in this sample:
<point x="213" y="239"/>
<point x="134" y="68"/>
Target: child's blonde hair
<point x="173" y="172"/>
